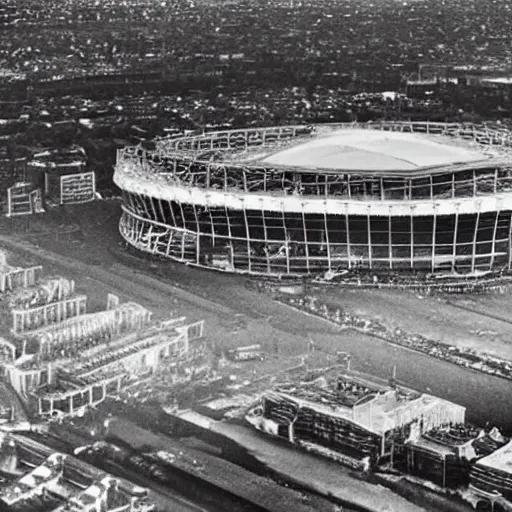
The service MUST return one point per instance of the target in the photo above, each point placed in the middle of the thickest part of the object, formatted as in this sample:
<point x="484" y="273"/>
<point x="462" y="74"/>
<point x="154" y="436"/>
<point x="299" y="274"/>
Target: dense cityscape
<point x="255" y="255"/>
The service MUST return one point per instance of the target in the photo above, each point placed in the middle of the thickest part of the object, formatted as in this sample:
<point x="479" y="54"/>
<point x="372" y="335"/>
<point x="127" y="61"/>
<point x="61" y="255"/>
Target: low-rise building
<point x="351" y="416"/>
<point x="444" y="455"/>
<point x="62" y="483"/>
<point x="491" y="476"/>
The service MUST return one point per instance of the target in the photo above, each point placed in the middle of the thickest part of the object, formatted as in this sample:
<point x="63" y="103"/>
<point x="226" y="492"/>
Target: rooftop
<point x="369" y="150"/>
<point x="377" y="408"/>
<point x="343" y="392"/>
<point x="500" y="460"/>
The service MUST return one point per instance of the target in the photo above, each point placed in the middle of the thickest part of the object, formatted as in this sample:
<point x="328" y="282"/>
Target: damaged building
<point x="359" y="419"/>
<point x="60" y="358"/>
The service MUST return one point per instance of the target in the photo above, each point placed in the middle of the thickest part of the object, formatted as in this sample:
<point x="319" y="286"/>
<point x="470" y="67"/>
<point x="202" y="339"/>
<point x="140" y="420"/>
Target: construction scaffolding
<point x="98" y="374"/>
<point x="61" y="359"/>
<point x="25" y="380"/>
<point x="42" y="316"/>
<point x="92" y="327"/>
<point x="20" y="278"/>
<point x="71" y="401"/>
<point x="47" y="291"/>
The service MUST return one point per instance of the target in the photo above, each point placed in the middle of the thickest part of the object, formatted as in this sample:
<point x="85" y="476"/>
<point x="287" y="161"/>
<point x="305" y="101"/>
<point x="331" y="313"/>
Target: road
<point x="327" y="477"/>
<point x="214" y="297"/>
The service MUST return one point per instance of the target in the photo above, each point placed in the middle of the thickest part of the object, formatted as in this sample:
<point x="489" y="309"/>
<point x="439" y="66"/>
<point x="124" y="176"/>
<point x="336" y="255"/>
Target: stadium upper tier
<point x="384" y="161"/>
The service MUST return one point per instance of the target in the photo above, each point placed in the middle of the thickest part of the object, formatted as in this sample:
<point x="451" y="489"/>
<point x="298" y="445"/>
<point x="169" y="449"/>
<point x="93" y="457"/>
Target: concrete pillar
<point x="329" y="261"/>
<point x="172" y="213"/>
<point x="412" y="235"/>
<point x="347" y="229"/>
<point x="225" y="179"/>
<point x="247" y="234"/>
<point x="9" y="203"/>
<point x="287" y="251"/>
<point x="510" y="243"/>
<point x="368" y="224"/>
<point x="305" y="231"/>
<point x="454" y="255"/>
<point x="212" y="224"/>
<point x="493" y="247"/>
<point x="198" y="235"/>
<point x="390" y="244"/>
<point x="475" y="235"/>
<point x="434" y="228"/>
<point x="232" y="252"/>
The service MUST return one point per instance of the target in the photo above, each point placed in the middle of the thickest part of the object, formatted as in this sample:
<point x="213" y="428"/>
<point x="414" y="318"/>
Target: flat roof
<point x="374" y="150"/>
<point x="501" y="459"/>
<point x="386" y="411"/>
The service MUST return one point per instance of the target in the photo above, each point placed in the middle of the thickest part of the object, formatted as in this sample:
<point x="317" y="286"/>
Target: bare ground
<point x="436" y="318"/>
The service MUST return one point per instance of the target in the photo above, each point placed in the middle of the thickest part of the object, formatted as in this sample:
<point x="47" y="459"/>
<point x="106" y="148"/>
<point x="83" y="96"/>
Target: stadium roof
<point x="369" y="150"/>
<point x="501" y="459"/>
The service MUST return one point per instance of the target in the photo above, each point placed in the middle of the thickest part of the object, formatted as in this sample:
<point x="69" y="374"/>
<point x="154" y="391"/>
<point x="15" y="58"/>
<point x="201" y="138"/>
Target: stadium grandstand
<point x="415" y="198"/>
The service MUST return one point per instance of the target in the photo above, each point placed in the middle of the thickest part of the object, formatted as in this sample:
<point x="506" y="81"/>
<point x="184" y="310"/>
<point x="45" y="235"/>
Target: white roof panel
<point x="368" y="150"/>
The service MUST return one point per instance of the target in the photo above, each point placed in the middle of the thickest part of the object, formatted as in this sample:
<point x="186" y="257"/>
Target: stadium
<point x="414" y="198"/>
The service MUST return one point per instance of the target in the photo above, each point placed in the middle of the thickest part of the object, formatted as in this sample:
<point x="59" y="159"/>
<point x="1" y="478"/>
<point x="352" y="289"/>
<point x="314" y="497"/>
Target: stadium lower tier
<point x="283" y="243"/>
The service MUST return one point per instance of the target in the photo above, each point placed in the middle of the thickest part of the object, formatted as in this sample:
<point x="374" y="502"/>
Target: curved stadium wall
<point x="213" y="200"/>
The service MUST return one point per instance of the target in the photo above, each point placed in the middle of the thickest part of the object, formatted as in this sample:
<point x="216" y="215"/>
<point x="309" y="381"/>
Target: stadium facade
<point x="296" y="200"/>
